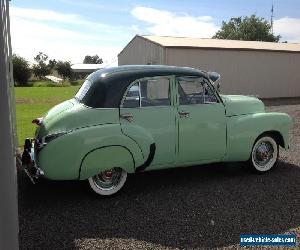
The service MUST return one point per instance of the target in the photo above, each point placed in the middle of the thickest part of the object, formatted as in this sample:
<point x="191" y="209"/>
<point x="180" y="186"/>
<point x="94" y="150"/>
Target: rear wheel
<point x="108" y="182"/>
<point x="264" y="154"/>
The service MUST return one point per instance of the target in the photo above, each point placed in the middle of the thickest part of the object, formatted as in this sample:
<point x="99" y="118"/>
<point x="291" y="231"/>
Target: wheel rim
<point x="108" y="179"/>
<point x="264" y="154"/>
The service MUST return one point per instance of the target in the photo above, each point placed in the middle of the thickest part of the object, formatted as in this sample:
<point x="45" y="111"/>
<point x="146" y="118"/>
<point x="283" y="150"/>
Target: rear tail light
<point x="37" y="121"/>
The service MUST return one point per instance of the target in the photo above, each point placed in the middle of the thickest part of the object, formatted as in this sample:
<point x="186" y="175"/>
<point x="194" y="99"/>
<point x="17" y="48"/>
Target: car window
<point x="195" y="91"/>
<point x="83" y="90"/>
<point x="132" y="98"/>
<point x="148" y="92"/>
<point x="155" y="92"/>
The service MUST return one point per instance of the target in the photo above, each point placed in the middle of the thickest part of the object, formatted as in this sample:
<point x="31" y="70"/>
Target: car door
<point x="201" y="121"/>
<point x="148" y="110"/>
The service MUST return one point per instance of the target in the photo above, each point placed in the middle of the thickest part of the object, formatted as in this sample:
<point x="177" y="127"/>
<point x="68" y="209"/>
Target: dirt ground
<point x="197" y="207"/>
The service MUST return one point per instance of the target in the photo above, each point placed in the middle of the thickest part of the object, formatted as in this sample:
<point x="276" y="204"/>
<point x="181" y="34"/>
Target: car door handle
<point x="184" y="114"/>
<point x="127" y="116"/>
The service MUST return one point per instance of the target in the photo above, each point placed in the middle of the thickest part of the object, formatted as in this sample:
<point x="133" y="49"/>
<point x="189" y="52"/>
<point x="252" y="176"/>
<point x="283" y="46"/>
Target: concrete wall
<point x="141" y="51"/>
<point x="263" y="73"/>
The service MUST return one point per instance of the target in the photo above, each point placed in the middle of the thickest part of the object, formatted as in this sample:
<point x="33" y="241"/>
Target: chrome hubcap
<point x="108" y="179"/>
<point x="263" y="153"/>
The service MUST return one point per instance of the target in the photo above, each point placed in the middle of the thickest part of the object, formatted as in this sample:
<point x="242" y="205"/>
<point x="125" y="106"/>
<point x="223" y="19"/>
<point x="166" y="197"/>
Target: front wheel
<point x="109" y="181"/>
<point x="264" y="154"/>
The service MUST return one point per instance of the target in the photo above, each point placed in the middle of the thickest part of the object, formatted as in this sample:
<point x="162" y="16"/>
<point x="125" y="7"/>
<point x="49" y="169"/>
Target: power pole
<point x="272" y="16"/>
<point x="9" y="230"/>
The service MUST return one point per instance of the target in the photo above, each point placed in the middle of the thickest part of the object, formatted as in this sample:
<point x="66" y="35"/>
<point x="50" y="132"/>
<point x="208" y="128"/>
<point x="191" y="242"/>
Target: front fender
<point x="243" y="130"/>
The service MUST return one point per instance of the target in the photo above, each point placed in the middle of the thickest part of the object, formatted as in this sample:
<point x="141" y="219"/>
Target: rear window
<point x="83" y="90"/>
<point x="91" y="94"/>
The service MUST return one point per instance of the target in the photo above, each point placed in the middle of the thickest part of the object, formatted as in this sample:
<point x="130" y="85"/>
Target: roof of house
<point x="188" y="42"/>
<point x="86" y="67"/>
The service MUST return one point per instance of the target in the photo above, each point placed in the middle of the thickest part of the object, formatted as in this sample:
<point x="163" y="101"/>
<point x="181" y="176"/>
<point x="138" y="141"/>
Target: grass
<point x="33" y="102"/>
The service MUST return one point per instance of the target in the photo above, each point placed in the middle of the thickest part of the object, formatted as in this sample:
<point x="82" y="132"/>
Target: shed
<point x="264" y="69"/>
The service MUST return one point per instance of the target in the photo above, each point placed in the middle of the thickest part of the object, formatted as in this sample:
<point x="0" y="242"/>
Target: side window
<point x="132" y="98"/>
<point x="195" y="91"/>
<point x="155" y="92"/>
<point x="148" y="92"/>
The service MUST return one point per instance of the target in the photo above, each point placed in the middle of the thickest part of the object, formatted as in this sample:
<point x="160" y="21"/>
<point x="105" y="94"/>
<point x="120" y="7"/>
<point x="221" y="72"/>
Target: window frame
<point x="191" y="78"/>
<point x="168" y="77"/>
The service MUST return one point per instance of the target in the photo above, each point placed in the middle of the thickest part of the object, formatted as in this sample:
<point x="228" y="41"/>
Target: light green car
<point x="139" y="118"/>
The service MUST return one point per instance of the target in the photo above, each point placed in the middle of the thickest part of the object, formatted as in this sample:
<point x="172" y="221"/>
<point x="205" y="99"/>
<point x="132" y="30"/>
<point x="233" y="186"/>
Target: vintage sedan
<point x="139" y="118"/>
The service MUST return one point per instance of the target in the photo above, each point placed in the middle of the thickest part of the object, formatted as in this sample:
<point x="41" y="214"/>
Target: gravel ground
<point x="196" y="207"/>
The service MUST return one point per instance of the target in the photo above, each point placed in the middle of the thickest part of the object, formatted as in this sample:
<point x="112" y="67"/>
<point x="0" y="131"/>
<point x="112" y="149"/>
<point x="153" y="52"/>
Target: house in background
<point x="82" y="70"/>
<point x="263" y="69"/>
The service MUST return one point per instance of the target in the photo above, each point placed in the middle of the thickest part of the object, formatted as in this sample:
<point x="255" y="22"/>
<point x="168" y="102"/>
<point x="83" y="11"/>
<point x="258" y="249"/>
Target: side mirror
<point x="215" y="79"/>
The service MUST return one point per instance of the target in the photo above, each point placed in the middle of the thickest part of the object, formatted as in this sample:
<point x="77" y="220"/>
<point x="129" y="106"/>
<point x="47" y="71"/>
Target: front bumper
<point x="29" y="162"/>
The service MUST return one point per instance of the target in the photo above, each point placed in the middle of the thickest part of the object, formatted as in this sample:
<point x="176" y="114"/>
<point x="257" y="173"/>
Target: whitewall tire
<point x="264" y="154"/>
<point x="108" y="182"/>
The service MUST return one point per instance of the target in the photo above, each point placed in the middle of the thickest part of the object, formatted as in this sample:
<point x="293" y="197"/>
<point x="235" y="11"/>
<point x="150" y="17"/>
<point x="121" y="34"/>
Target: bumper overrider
<point x="28" y="160"/>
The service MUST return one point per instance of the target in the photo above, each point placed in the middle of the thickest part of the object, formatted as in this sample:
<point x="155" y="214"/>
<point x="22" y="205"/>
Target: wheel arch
<point x="276" y="135"/>
<point x="104" y="158"/>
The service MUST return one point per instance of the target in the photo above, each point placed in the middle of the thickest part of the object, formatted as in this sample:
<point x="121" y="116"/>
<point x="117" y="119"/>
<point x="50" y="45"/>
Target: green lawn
<point x="33" y="102"/>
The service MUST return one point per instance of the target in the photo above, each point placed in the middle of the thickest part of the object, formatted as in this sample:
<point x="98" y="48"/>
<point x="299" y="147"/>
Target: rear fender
<point x="63" y="158"/>
<point x="105" y="158"/>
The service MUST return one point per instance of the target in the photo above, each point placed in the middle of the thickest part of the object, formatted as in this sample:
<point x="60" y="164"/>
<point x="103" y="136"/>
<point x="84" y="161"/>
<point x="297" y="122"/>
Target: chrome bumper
<point x="28" y="161"/>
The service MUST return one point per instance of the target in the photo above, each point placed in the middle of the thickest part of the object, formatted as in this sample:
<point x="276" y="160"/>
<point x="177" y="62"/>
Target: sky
<point x="70" y="29"/>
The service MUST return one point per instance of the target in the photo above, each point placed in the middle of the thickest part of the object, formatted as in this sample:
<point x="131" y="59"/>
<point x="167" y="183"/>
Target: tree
<point x="92" y="59"/>
<point x="52" y="63"/>
<point x="21" y="69"/>
<point x="64" y="69"/>
<point x="41" y="69"/>
<point x="251" y="28"/>
<point x="41" y="57"/>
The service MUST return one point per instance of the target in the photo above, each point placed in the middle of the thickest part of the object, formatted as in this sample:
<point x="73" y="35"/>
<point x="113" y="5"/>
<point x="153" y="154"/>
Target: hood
<point x="242" y="105"/>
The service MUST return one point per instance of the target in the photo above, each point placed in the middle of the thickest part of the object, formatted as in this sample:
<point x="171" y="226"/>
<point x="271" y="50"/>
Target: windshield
<point x="83" y="90"/>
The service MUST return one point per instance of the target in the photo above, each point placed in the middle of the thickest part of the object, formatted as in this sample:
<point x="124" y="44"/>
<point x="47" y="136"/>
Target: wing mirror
<point x="215" y="78"/>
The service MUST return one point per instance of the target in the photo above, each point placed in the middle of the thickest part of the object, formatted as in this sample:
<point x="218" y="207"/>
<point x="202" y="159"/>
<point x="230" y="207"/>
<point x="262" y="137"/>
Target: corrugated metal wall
<point x="141" y="51"/>
<point x="264" y="73"/>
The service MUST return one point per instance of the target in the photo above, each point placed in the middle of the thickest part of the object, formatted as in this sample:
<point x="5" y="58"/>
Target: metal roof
<point x="188" y="42"/>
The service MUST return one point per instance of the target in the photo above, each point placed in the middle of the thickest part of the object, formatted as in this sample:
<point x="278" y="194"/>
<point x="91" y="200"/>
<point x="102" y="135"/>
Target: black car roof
<point x="109" y="84"/>
<point x="143" y="70"/>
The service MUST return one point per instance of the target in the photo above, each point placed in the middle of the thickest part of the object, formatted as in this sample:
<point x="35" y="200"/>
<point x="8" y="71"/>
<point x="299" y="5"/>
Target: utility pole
<point x="9" y="230"/>
<point x="272" y="16"/>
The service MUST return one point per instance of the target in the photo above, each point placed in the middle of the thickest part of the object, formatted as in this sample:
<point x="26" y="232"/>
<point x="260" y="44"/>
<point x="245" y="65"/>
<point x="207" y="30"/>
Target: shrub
<point x="21" y="70"/>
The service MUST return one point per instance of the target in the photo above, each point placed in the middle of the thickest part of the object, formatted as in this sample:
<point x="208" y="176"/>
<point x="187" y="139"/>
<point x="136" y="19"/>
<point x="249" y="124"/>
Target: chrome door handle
<point x="127" y="116"/>
<point x="184" y="114"/>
